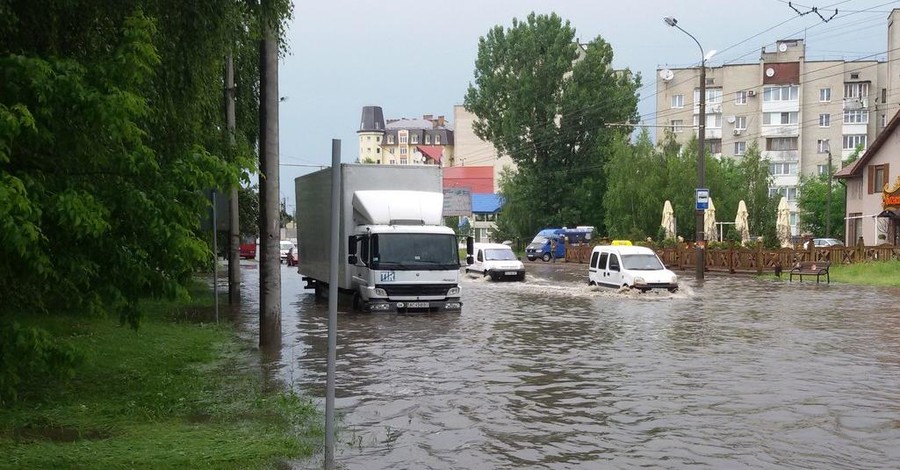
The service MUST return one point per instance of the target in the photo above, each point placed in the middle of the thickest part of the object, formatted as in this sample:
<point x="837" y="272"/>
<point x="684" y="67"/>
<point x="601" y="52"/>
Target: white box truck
<point x="395" y="254"/>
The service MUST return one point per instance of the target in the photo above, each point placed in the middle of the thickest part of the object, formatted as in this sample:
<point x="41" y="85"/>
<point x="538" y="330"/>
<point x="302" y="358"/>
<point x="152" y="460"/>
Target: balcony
<point x="854" y="103"/>
<point x="782" y="155"/>
<point x="781" y="130"/>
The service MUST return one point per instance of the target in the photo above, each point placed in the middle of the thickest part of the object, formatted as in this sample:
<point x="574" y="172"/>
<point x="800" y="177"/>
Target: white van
<point x="637" y="267"/>
<point x="496" y="260"/>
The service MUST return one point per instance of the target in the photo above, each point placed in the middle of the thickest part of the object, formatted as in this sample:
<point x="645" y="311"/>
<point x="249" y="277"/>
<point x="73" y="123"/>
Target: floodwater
<point x="733" y="372"/>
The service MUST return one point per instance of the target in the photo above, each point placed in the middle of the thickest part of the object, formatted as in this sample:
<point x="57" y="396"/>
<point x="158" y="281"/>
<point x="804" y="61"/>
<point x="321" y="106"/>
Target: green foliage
<point x="248" y="209"/>
<point x="31" y="355"/>
<point x="812" y="202"/>
<point x="543" y="101"/>
<point x="111" y="122"/>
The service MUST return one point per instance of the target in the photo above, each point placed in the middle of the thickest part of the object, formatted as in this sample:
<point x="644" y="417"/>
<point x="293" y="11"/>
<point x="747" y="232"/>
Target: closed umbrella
<point x="709" y="222"/>
<point x="668" y="220"/>
<point x="741" y="223"/>
<point x="783" y="223"/>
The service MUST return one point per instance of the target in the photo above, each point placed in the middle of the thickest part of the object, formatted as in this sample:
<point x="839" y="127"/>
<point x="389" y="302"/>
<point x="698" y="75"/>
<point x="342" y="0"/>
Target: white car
<point x="637" y="267"/>
<point x="823" y="243"/>
<point x="497" y="261"/>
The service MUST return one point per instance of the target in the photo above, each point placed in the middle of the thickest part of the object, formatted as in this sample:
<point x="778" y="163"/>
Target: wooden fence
<point x="755" y="260"/>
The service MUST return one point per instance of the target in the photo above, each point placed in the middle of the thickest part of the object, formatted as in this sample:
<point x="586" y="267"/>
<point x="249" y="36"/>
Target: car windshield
<point x="645" y="262"/>
<point x="416" y="251"/>
<point x="499" y="254"/>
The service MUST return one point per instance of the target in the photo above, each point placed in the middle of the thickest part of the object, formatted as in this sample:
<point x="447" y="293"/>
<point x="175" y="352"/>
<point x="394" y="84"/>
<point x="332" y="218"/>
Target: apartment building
<point x="802" y="114"/>
<point x="426" y="141"/>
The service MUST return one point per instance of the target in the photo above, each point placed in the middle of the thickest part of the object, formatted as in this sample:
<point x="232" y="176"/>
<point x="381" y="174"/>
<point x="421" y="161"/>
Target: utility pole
<point x="828" y="205"/>
<point x="269" y="220"/>
<point x="234" y="226"/>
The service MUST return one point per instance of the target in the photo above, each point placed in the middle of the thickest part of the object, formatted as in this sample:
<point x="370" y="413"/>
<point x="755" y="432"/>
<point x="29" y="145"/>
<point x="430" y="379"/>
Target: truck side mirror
<point x="470" y="247"/>
<point x="351" y="259"/>
<point x="470" y="260"/>
<point x="351" y="244"/>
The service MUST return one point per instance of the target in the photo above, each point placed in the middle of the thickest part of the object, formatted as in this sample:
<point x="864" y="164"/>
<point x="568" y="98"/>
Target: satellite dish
<point x="666" y="74"/>
<point x="770" y="72"/>
<point x="730" y="119"/>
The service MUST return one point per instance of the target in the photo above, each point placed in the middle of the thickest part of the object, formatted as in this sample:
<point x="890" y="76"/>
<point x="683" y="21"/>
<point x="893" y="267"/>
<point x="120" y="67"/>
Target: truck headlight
<point x="453" y="291"/>
<point x="380" y="292"/>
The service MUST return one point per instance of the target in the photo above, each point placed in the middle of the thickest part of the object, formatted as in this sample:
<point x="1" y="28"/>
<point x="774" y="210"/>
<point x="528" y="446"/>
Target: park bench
<point x="811" y="268"/>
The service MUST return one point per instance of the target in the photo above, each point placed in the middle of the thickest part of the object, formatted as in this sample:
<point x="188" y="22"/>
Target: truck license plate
<point x="417" y="305"/>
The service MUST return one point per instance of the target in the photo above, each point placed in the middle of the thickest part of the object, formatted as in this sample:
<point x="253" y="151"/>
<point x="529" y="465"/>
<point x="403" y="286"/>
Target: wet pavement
<point x="733" y="372"/>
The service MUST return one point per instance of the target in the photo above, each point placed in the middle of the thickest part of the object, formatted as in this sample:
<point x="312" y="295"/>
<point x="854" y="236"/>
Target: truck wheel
<point x="546" y="257"/>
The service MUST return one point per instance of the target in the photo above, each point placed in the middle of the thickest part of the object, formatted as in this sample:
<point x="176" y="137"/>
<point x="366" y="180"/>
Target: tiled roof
<point x="435" y="152"/>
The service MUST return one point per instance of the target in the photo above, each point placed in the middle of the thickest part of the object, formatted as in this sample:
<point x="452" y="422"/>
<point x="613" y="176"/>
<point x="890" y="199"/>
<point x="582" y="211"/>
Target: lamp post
<point x="828" y="204"/>
<point x="701" y="151"/>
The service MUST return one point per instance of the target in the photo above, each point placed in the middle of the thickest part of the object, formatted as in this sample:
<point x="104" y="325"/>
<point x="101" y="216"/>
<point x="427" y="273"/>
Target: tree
<point x="546" y="102"/>
<point x="812" y="204"/>
<point x="754" y="188"/>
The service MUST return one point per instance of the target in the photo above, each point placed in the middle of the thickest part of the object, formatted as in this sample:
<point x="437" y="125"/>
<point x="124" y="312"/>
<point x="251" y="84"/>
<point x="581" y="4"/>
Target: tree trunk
<point x="234" y="227"/>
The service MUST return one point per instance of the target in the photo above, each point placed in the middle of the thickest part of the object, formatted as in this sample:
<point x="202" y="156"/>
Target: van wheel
<point x="546" y="257"/>
<point x="531" y="258"/>
<point x="673" y="289"/>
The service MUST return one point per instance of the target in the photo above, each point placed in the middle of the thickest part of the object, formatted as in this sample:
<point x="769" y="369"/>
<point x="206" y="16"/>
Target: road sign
<point x="702" y="199"/>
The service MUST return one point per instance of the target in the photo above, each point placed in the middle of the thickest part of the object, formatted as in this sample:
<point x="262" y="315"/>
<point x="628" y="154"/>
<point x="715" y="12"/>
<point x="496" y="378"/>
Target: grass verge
<point x="876" y="273"/>
<point x="177" y="393"/>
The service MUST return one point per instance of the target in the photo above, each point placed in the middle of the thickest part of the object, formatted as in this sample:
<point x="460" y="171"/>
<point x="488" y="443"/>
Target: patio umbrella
<point x="783" y="223"/>
<point x="668" y="220"/>
<point x="741" y="224"/>
<point x="709" y="222"/>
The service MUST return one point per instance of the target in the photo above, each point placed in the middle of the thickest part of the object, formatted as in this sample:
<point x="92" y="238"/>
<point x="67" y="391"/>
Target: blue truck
<point x="540" y="246"/>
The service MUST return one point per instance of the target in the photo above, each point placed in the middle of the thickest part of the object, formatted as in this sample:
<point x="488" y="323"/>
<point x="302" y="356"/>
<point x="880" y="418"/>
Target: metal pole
<point x="701" y="151"/>
<point x="828" y="207"/>
<point x="333" y="300"/>
<point x="215" y="233"/>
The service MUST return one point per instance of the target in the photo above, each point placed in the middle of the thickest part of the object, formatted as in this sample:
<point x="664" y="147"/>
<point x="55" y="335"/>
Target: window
<point x="677" y="101"/>
<point x="368" y="137"/>
<point x="740" y="148"/>
<point x="780" y="93"/>
<point x="427" y="139"/>
<point x="740" y="122"/>
<point x="854" y="227"/>
<point x="713" y="95"/>
<point x="391" y="150"/>
<point x="403" y="161"/>
<point x="856" y="90"/>
<point x="821" y="169"/>
<point x="403" y="151"/>
<point x="676" y="125"/>
<point x="824" y="94"/>
<point x="714" y="146"/>
<point x="822" y="146"/>
<point x="414" y="139"/>
<point x="740" y="97"/>
<point x="437" y="139"/>
<point x="783" y="168"/>
<point x="378" y="139"/>
<point x="779" y="118"/>
<point x="851" y="141"/>
<point x="712" y="121"/>
<point x="790" y="192"/>
<point x="878" y="176"/>
<point x="856" y="116"/>
<point x="883" y="120"/>
<point x="390" y="140"/>
<point x="824" y="120"/>
<point x="377" y="149"/>
<point x="403" y="138"/>
<point x="781" y="143"/>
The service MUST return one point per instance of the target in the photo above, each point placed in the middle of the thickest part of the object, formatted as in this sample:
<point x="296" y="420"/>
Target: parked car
<point x="622" y="265"/>
<point x="497" y="261"/>
<point x="823" y="243"/>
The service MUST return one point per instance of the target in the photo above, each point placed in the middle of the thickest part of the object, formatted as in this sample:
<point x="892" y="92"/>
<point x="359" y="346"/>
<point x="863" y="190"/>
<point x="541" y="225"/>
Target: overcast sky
<point x="417" y="57"/>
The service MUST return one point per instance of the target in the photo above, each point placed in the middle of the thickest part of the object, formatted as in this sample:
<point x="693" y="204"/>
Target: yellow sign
<point x="621" y="243"/>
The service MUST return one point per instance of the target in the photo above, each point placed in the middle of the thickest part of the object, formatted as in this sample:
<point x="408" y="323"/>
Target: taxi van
<point x="497" y="261"/>
<point x="621" y="264"/>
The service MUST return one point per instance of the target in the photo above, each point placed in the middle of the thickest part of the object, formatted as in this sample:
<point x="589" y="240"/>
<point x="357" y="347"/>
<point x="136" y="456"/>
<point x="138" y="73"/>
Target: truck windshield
<point x="499" y="255"/>
<point x="425" y="251"/>
<point x="646" y="262"/>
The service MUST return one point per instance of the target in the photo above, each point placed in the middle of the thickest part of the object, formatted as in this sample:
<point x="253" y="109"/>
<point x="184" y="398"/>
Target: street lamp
<point x="701" y="144"/>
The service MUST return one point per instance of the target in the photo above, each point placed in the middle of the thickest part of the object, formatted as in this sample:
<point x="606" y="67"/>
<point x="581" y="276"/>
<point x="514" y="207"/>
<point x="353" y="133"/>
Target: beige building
<point x="426" y="141"/>
<point x="873" y="191"/>
<point x="472" y="151"/>
<point x="798" y="112"/>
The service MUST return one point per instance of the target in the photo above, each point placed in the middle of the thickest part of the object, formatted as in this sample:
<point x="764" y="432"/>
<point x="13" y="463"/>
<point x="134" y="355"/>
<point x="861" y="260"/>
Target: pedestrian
<point x="553" y="246"/>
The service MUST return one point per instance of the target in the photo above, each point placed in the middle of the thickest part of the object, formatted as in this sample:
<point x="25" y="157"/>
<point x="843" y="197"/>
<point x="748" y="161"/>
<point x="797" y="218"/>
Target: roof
<point x="855" y="169"/>
<point x="477" y="179"/>
<point x="434" y="152"/>
<point x="486" y="203"/>
<point x="409" y="124"/>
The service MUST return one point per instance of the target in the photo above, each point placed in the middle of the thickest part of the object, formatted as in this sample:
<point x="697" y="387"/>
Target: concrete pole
<point x="828" y="206"/>
<point x="333" y="300"/>
<point x="701" y="168"/>
<point x="269" y="217"/>
<point x="234" y="226"/>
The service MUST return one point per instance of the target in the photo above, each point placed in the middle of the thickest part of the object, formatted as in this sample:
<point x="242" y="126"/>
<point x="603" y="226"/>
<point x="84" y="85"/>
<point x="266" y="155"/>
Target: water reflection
<point x="551" y="373"/>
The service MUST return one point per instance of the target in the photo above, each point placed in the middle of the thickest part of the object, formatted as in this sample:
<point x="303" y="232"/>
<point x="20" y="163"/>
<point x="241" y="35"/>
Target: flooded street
<point x="551" y="373"/>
